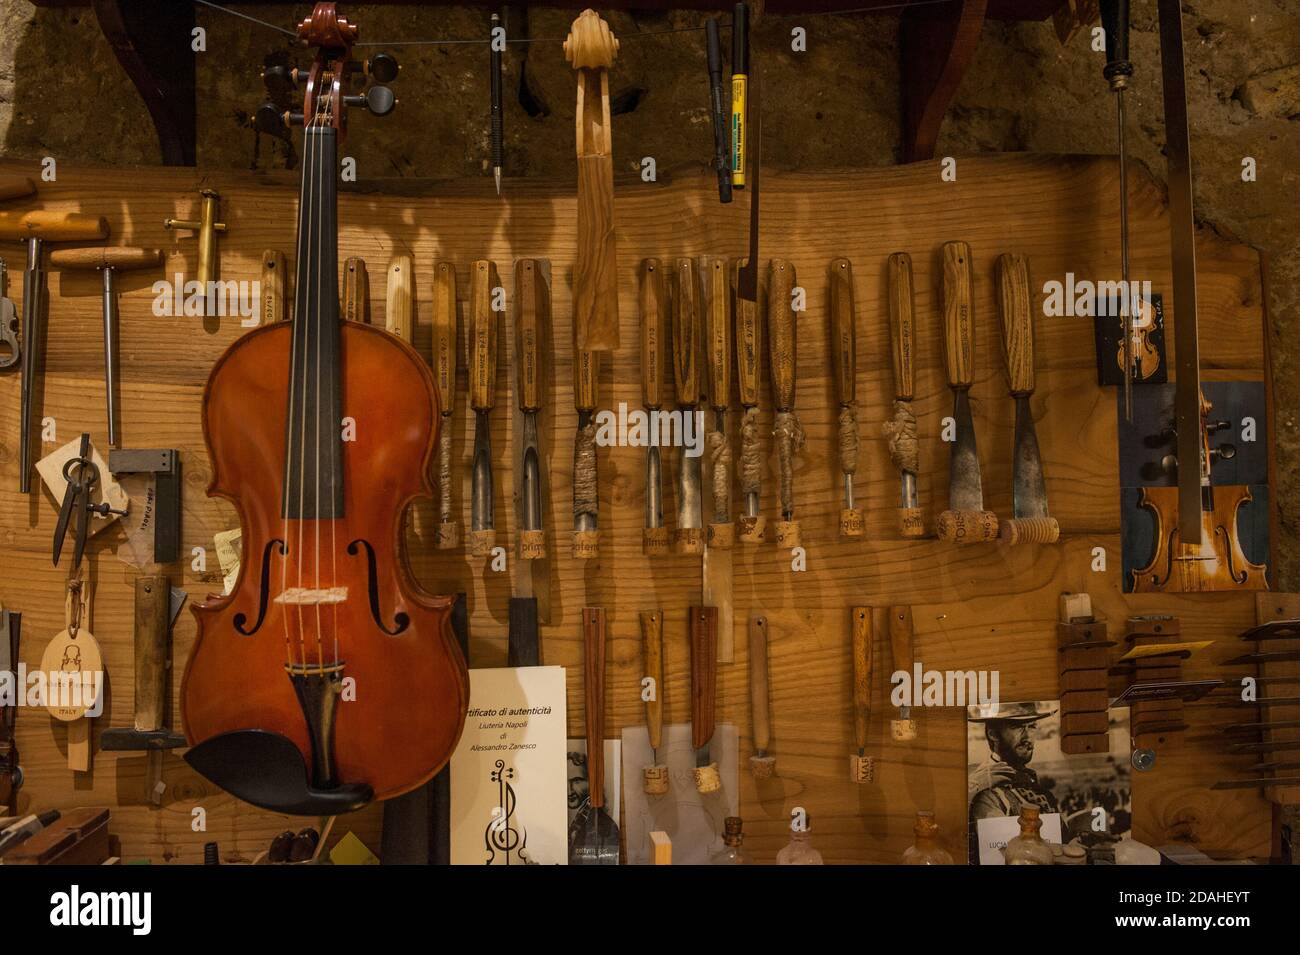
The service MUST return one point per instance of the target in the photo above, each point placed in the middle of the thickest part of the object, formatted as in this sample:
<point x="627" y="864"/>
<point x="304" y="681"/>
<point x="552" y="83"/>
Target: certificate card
<point x="508" y="774"/>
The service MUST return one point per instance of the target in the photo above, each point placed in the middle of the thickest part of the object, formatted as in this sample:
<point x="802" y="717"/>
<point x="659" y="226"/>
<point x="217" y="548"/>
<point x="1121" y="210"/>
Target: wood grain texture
<point x="399" y="291"/>
<point x="958" y="318"/>
<point x="749" y="341"/>
<point x="782" y="333"/>
<point x="356" y="291"/>
<point x="902" y="324"/>
<point x="687" y="333"/>
<point x="984" y="606"/>
<point x="703" y="625"/>
<point x="843" y="330"/>
<point x="760" y="703"/>
<point x="52" y="226"/>
<point x="652" y="659"/>
<point x="1017" y="322"/>
<point x="715" y="305"/>
<point x="152" y="613"/>
<point x="860" y="624"/>
<point x="120" y="257"/>
<point x="275" y="288"/>
<point x="483" y="336"/>
<point x="444" y="327"/>
<point x="654" y="326"/>
<point x="532" y="318"/>
<point x="593" y="682"/>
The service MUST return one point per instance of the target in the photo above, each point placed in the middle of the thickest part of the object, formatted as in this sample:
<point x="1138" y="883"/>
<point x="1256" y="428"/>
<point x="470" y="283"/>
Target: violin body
<point x="1145" y="355"/>
<point x="315" y="594"/>
<point x="1217" y="563"/>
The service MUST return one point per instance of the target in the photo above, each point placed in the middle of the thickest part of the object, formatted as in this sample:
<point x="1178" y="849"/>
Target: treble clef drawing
<point x="500" y="836"/>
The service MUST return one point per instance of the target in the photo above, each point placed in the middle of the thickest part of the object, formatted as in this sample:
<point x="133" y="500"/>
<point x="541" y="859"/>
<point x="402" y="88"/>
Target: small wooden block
<point x="586" y="545"/>
<point x="762" y="767"/>
<point x="862" y="769"/>
<point x="1084" y="658"/>
<point x="902" y="731"/>
<point x="788" y="536"/>
<point x="1081" y="745"/>
<point x="722" y="536"/>
<point x="482" y="542"/>
<point x="655" y="780"/>
<point x="1086" y="701"/>
<point x="753" y="530"/>
<point x="853" y="522"/>
<point x="656" y="542"/>
<point x="532" y="545"/>
<point x="1083" y="680"/>
<point x="911" y="522"/>
<point x="1083" y="724"/>
<point x="662" y="848"/>
<point x="447" y="536"/>
<point x="688" y="540"/>
<point x="707" y="779"/>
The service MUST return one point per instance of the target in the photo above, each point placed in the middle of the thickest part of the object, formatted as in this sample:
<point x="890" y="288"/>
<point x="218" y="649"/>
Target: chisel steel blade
<point x="965" y="490"/>
<point x="1028" y="492"/>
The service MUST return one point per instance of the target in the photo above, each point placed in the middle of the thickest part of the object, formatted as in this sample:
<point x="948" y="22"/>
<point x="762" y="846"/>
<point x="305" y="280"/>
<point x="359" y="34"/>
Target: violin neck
<point x="313" y="485"/>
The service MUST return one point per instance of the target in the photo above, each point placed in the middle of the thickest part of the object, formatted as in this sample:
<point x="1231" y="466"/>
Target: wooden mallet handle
<point x="53" y="226"/>
<point x="532" y="318"/>
<point x="782" y="341"/>
<point x="118" y="257"/>
<point x="1017" y="323"/>
<point x="593" y="639"/>
<point x="654" y="310"/>
<point x="686" y="334"/>
<point x="902" y="325"/>
<point x="482" y="337"/>
<point x="843" y="339"/>
<point x="958" y="315"/>
<point x="715" y="302"/>
<point x="749" y="343"/>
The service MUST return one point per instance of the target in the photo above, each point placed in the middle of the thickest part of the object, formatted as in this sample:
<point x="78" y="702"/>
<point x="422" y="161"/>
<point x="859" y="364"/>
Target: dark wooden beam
<point x="936" y="45"/>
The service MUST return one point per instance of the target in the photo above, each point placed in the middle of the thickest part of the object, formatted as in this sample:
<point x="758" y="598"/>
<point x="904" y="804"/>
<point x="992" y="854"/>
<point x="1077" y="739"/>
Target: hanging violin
<point x="1217" y="562"/>
<point x="326" y="678"/>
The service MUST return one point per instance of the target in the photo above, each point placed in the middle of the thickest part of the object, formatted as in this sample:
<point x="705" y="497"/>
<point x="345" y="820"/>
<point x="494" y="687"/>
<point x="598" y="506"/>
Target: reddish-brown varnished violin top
<point x="327" y="677"/>
<point x="1217" y="562"/>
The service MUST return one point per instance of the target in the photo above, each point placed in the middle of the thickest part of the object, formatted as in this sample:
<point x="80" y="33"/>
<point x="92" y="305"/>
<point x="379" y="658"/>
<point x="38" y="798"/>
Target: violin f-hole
<point x="264" y="592"/>
<point x="400" y="620"/>
<point x="1238" y="577"/>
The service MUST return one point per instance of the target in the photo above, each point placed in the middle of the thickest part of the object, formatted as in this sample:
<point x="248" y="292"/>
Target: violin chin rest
<point x="267" y="770"/>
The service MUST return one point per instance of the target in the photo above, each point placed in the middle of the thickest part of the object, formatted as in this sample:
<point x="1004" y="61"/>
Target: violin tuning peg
<point x="270" y="120"/>
<point x="280" y="80"/>
<point x="380" y="100"/>
<point x="1225" y="452"/>
<point x="382" y="67"/>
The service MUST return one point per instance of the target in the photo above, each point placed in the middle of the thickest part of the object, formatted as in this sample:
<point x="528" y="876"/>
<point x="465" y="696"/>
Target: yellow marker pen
<point x="739" y="86"/>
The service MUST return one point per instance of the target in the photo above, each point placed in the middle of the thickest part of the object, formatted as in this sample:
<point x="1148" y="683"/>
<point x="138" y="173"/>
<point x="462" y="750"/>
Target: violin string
<point x="312" y="135"/>
<point x="287" y="553"/>
<point x="319" y="404"/>
<point x="336" y="337"/>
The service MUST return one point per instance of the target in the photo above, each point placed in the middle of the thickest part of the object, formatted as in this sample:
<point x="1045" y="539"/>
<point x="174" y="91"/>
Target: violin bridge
<point x="308" y="596"/>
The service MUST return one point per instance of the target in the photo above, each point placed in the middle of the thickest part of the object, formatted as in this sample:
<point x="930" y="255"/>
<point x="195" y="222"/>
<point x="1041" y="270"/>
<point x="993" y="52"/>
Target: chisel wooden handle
<point x="781" y="333"/>
<point x="532" y="318"/>
<point x="901" y="654"/>
<point x="54" y="226"/>
<point x="586" y="368"/>
<point x="152" y="615"/>
<point x="958" y="315"/>
<point x="760" y="764"/>
<point x="15" y="187"/>
<point x="654" y="308"/>
<point x="593" y="676"/>
<point x="843" y="340"/>
<point x="703" y="627"/>
<point x="902" y="325"/>
<point x="861" y="765"/>
<point x="686" y="334"/>
<point x="652" y="651"/>
<point x="399" y="302"/>
<point x="715" y="303"/>
<point x="275" y="281"/>
<point x="356" y="291"/>
<point x="444" y="335"/>
<point x="118" y="257"/>
<point x="482" y="337"/>
<point x="749" y="343"/>
<point x="1017" y="325"/>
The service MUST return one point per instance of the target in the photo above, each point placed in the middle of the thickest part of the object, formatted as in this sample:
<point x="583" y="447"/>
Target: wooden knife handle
<point x="482" y="336"/>
<point x="704" y="672"/>
<point x="958" y="315"/>
<point x="356" y="291"/>
<point x="586" y="369"/>
<point x="274" y="288"/>
<point x="902" y="325"/>
<point x="652" y="651"/>
<point x="654" y="309"/>
<point x="121" y="257"/>
<point x="152" y="618"/>
<point x="54" y="226"/>
<point x="399" y="310"/>
<point x="444" y="334"/>
<point x="749" y="342"/>
<point x="759" y="695"/>
<point x="862" y="658"/>
<point x="844" y="350"/>
<point x="782" y="355"/>
<point x="1017" y="324"/>
<point x="715" y="303"/>
<point x="593" y="640"/>
<point x="15" y="187"/>
<point x="532" y="319"/>
<point x="900" y="638"/>
<point x="686" y="334"/>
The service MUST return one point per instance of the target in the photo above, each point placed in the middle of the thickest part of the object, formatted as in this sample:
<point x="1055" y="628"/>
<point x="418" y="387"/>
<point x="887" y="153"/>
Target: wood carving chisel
<point x="497" y="129"/>
<point x="1118" y="71"/>
<point x="35" y="229"/>
<point x="399" y="298"/>
<point x="655" y="776"/>
<point x="655" y="538"/>
<point x="904" y="446"/>
<point x="782" y="343"/>
<point x="532" y="326"/>
<point x="703" y="627"/>
<point x="761" y="764"/>
<point x="862" y="768"/>
<point x="482" y="398"/>
<point x="844" y="369"/>
<point x="445" y="328"/>
<point x="688" y="537"/>
<point x="356" y="291"/>
<point x="902" y="729"/>
<point x="586" y="487"/>
<point x="1031" y="523"/>
<point x="749" y="357"/>
<point x="966" y="521"/>
<point x="721" y="163"/>
<point x="274" y="288"/>
<point x="593" y="837"/>
<point x="716" y="561"/>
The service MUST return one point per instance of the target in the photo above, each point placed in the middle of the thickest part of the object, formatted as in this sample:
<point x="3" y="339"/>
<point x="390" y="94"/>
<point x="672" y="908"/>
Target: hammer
<point x="152" y="624"/>
<point x="109" y="260"/>
<point x="36" y="228"/>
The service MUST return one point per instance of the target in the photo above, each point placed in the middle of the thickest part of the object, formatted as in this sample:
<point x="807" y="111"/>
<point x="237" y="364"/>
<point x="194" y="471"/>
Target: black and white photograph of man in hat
<point x="1014" y="759"/>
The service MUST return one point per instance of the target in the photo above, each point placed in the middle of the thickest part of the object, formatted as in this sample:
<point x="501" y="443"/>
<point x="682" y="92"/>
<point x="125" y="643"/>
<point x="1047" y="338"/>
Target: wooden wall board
<point x="983" y="606"/>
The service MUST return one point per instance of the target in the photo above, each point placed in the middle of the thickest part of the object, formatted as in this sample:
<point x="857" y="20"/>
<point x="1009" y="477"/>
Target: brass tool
<point x="590" y="49"/>
<point x="688" y="538"/>
<point x="532" y="321"/>
<point x="862" y="768"/>
<point x="447" y="534"/>
<point x="655" y="539"/>
<point x="902" y="729"/>
<point x="761" y="765"/>
<point x="356" y="291"/>
<point x="108" y="261"/>
<point x="586" y="489"/>
<point x="844" y="367"/>
<point x="655" y="776"/>
<point x="482" y="398"/>
<point x="966" y="521"/>
<point x="783" y="359"/>
<point x="1031" y="523"/>
<point x="901" y="429"/>
<point x="749" y="357"/>
<point x="207" y="227"/>
<point x="703" y="626"/>
<point x="274" y="288"/>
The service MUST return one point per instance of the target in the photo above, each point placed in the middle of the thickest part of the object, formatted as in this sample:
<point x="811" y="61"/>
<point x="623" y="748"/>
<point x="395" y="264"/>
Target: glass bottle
<point x="1028" y="848"/>
<point x="732" y="837"/>
<point x="799" y="850"/>
<point x="927" y="850"/>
